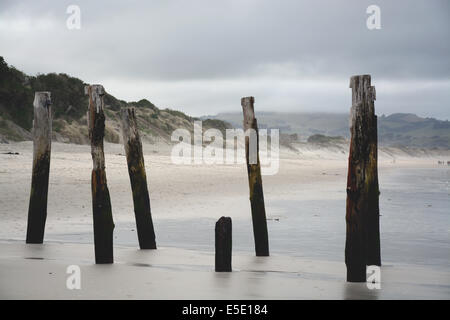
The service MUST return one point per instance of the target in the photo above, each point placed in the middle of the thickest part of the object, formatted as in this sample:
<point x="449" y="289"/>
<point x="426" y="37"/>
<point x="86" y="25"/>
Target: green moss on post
<point x="362" y="245"/>
<point x="42" y="139"/>
<point x="254" y="178"/>
<point x="101" y="202"/>
<point x="138" y="178"/>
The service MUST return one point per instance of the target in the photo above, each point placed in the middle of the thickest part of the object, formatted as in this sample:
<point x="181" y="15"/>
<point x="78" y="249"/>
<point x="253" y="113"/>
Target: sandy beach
<point x="305" y="205"/>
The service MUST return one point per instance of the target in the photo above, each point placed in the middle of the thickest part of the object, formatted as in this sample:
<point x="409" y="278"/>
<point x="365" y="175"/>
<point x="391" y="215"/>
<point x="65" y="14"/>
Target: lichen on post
<point x="101" y="202"/>
<point x="138" y="179"/>
<point x="362" y="246"/>
<point x="254" y="178"/>
<point x="42" y="140"/>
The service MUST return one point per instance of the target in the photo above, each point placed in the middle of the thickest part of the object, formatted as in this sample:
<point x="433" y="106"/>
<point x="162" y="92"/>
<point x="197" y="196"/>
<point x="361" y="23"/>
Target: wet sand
<point x="39" y="272"/>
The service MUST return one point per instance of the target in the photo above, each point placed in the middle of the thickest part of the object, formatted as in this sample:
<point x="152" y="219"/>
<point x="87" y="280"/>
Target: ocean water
<point x="414" y="223"/>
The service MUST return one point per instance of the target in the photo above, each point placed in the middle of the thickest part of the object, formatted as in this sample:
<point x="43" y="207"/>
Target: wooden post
<point x="101" y="202"/>
<point x="254" y="178"/>
<point x="223" y="245"/>
<point x="138" y="179"/>
<point x="362" y="245"/>
<point x="42" y="140"/>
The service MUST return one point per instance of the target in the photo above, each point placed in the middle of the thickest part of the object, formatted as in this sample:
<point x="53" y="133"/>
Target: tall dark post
<point x="223" y="245"/>
<point x="101" y="202"/>
<point x="362" y="245"/>
<point x="138" y="179"/>
<point x="42" y="141"/>
<point x="254" y="178"/>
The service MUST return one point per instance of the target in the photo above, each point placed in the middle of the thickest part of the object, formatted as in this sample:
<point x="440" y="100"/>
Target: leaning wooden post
<point x="254" y="178"/>
<point x="42" y="141"/>
<point x="138" y="179"/>
<point x="362" y="245"/>
<point x="223" y="245"/>
<point x="101" y="202"/>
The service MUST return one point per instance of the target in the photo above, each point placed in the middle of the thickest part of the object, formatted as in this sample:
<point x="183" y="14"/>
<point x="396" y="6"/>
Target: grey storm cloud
<point x="202" y="55"/>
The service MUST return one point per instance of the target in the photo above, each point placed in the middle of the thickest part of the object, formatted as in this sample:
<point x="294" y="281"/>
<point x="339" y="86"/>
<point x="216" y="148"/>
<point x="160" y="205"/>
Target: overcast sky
<point x="202" y="56"/>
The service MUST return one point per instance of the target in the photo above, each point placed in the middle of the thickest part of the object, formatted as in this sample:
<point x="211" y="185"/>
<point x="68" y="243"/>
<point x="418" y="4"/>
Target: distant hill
<point x="406" y="129"/>
<point x="69" y="107"/>
<point x="322" y="139"/>
<point x="399" y="129"/>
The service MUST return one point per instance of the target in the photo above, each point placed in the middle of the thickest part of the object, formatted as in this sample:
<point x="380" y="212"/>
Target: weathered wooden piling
<point x="101" y="202"/>
<point x="254" y="178"/>
<point x="362" y="245"/>
<point x="138" y="178"/>
<point x="42" y="140"/>
<point x="223" y="244"/>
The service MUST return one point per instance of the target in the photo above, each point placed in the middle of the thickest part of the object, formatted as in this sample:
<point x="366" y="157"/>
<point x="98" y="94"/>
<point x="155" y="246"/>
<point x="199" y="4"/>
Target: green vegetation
<point x="180" y="114"/>
<point x="69" y="106"/>
<point x="144" y="103"/>
<point x="67" y="94"/>
<point x="113" y="103"/>
<point x="16" y="96"/>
